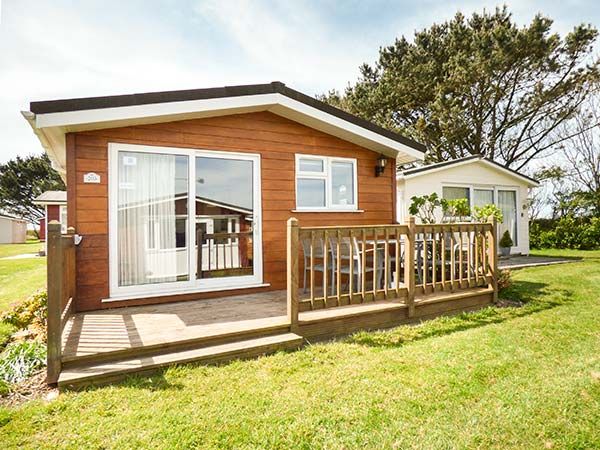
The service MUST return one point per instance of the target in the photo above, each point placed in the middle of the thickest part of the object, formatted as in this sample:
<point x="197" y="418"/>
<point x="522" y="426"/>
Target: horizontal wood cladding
<point x="276" y="139"/>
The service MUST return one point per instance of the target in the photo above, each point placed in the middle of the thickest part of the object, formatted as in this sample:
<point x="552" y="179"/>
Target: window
<point x="455" y="193"/>
<point x="324" y="183"/>
<point x="63" y="218"/>
<point x="482" y="197"/>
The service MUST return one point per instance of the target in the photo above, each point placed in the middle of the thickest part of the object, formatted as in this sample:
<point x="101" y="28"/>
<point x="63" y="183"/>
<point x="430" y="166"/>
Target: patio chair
<point x="357" y="261"/>
<point x="318" y="253"/>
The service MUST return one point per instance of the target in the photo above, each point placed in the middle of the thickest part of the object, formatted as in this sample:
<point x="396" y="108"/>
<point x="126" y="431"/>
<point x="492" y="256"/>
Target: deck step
<point x="237" y="331"/>
<point x="76" y="377"/>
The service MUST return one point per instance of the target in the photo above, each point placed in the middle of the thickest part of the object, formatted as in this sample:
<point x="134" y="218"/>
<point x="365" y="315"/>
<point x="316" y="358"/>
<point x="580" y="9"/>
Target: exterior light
<point x="380" y="167"/>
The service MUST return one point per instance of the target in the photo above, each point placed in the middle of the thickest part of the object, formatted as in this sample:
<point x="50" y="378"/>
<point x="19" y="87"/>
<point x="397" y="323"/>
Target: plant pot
<point x="505" y="251"/>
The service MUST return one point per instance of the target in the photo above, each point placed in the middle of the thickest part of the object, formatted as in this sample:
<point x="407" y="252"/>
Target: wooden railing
<point x="62" y="284"/>
<point x="337" y="266"/>
<point x="223" y="253"/>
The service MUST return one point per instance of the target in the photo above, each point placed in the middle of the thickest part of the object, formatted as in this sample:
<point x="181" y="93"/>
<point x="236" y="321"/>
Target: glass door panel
<point x="152" y="206"/>
<point x="507" y="202"/>
<point x="225" y="217"/>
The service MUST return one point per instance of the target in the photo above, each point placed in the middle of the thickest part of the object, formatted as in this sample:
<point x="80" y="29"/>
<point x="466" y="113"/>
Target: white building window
<point x="325" y="183"/>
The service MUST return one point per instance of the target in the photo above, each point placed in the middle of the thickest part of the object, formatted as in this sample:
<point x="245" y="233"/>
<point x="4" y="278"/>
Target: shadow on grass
<point x="154" y="382"/>
<point x="527" y="298"/>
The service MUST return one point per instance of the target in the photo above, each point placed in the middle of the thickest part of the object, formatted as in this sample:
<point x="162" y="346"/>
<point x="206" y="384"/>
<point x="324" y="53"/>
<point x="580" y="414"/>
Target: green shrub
<point x="483" y="213"/>
<point x="506" y="241"/>
<point x="456" y="209"/>
<point x="567" y="232"/>
<point x="504" y="280"/>
<point x="6" y="331"/>
<point x="424" y="207"/>
<point x="20" y="360"/>
<point x="30" y="313"/>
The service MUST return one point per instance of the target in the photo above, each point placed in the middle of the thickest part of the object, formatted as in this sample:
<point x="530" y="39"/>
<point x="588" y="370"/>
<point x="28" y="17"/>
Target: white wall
<point x="12" y="231"/>
<point x="477" y="174"/>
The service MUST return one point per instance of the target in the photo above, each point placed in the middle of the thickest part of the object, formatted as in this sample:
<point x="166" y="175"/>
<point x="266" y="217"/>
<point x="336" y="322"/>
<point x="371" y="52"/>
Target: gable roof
<point x="51" y="198"/>
<point x="51" y="120"/>
<point x="410" y="173"/>
<point x="6" y="216"/>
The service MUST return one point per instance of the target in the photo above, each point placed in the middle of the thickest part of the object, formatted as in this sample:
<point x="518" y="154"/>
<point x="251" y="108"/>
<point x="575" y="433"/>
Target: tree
<point x="581" y="155"/>
<point x="479" y="86"/>
<point x="22" y="180"/>
<point x="572" y="178"/>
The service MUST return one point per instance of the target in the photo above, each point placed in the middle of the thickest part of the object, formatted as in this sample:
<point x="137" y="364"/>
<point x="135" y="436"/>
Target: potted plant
<point x="505" y="244"/>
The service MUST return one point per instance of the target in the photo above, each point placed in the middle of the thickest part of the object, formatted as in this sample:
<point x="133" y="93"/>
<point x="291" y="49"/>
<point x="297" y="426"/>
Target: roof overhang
<point x="56" y="118"/>
<point x="427" y="170"/>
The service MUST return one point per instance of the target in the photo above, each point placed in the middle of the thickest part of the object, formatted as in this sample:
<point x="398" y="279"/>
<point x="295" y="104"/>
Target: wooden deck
<point x="122" y="329"/>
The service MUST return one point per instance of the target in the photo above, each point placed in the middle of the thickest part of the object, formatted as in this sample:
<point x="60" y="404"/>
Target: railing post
<point x="293" y="232"/>
<point x="55" y="286"/>
<point x="493" y="255"/>
<point x="409" y="266"/>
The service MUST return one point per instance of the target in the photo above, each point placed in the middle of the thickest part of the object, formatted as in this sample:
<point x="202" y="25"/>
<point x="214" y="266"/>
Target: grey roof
<point x="276" y="87"/>
<point x="53" y="197"/>
<point x="466" y="158"/>
<point x="5" y="216"/>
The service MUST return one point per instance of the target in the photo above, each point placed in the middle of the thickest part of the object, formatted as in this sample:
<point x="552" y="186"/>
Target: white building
<point x="481" y="182"/>
<point x="12" y="230"/>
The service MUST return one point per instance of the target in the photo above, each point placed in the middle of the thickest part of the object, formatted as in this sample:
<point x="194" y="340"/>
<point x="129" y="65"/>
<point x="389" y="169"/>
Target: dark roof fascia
<point x="467" y="158"/>
<point x="276" y="87"/>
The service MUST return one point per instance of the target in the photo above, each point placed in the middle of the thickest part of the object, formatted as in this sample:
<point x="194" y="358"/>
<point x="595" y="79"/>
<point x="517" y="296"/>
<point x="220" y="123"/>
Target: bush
<point x="506" y="241"/>
<point x="483" y="213"/>
<point x="504" y="280"/>
<point x="566" y="232"/>
<point x="20" y="360"/>
<point x="30" y="313"/>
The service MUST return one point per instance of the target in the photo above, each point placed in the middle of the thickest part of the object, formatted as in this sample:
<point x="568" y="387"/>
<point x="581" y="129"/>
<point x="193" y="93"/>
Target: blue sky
<point x="61" y="48"/>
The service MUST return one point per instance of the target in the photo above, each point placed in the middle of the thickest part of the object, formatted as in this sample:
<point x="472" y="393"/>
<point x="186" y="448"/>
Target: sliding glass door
<point x="225" y="217"/>
<point x="183" y="220"/>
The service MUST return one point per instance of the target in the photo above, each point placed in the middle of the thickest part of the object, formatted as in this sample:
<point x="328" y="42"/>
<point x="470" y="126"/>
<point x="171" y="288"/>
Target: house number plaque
<point x="91" y="177"/>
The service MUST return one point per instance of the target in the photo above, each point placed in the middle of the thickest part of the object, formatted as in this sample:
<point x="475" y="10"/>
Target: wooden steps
<point x="104" y="372"/>
<point x="236" y="331"/>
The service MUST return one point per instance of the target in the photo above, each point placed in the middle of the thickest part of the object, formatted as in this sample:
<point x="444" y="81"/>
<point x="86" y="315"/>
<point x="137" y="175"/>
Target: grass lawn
<point x="20" y="277"/>
<point x="525" y="377"/>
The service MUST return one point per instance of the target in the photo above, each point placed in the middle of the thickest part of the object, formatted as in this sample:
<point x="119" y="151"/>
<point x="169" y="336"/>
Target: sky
<point x="63" y="49"/>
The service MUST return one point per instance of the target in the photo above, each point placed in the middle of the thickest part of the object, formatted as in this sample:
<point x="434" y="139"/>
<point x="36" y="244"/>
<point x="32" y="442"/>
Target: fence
<point x="61" y="291"/>
<point x="334" y="266"/>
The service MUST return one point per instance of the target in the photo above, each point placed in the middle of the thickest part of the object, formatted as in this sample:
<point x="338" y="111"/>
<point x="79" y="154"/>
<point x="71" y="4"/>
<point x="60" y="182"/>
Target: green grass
<point x="20" y="278"/>
<point x="31" y="246"/>
<point x="524" y="377"/>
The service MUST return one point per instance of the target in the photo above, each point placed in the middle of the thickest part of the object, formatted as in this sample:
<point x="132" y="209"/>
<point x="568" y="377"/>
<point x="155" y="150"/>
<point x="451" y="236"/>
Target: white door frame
<point x="191" y="285"/>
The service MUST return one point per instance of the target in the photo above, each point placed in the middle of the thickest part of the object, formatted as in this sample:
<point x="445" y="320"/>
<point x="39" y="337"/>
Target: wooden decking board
<point x="213" y="354"/>
<point x="120" y="329"/>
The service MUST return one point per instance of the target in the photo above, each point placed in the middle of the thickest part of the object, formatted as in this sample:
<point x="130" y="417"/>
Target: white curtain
<point x="507" y="202"/>
<point x="146" y="218"/>
<point x="482" y="197"/>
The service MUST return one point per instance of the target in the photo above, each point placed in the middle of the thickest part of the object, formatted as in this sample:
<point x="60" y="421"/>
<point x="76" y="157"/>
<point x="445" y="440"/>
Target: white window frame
<point x="327" y="176"/>
<point x="494" y="188"/>
<point x="192" y="285"/>
<point x="62" y="214"/>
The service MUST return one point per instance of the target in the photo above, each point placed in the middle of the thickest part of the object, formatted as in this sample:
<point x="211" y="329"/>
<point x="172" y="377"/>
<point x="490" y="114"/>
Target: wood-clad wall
<point x="276" y="139"/>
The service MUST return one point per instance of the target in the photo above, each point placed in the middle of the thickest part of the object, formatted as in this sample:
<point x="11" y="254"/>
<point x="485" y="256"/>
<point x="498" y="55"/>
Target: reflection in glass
<point x="342" y="181"/>
<point x="152" y="218"/>
<point x="311" y="193"/>
<point x="224" y="217"/>
<point x="507" y="202"/>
